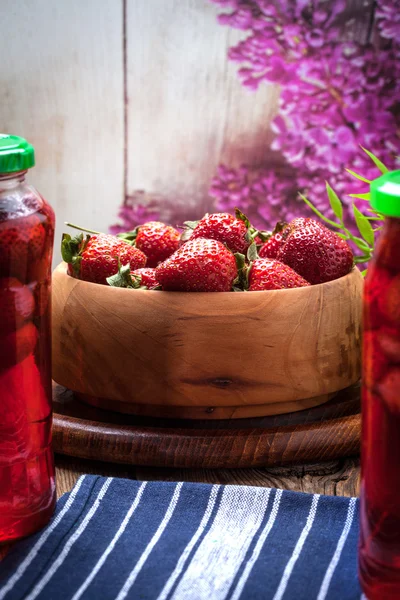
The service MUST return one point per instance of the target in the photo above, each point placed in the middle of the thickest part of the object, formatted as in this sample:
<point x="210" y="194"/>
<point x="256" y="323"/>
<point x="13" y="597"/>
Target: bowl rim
<point x="61" y="269"/>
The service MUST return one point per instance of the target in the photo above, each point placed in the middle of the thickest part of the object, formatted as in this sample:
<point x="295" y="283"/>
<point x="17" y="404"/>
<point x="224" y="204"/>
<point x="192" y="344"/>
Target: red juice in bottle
<point x="27" y="482"/>
<point x="379" y="551"/>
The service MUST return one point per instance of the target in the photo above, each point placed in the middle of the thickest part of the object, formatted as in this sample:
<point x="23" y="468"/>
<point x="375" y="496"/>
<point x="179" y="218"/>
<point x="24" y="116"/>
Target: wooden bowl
<point x="206" y="355"/>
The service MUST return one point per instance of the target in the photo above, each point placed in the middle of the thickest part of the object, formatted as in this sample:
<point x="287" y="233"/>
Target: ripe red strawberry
<point x="374" y="362"/>
<point x="155" y="239"/>
<point x="315" y="252"/>
<point x="200" y="265"/>
<point x="146" y="277"/>
<point x="16" y="345"/>
<point x="271" y="248"/>
<point x="224" y="228"/>
<point x="389" y="389"/>
<point x="389" y="300"/>
<point x="266" y="274"/>
<point x="96" y="258"/>
<point x="21" y="242"/>
<point x="389" y="341"/>
<point x="16" y="304"/>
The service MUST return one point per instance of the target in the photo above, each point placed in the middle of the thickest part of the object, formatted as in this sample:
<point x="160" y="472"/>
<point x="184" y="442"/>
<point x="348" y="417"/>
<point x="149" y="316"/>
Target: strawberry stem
<point x="82" y="228"/>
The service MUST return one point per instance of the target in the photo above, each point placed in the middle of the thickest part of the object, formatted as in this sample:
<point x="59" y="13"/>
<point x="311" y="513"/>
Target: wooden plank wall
<point x="126" y="95"/>
<point x="62" y="87"/>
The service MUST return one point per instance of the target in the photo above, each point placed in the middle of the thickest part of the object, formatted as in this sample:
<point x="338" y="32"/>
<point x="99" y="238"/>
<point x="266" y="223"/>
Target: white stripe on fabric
<point x="298" y="548"/>
<point x="335" y="559"/>
<point x="70" y="542"/>
<point x="260" y="543"/>
<point x="111" y="546"/>
<point x="132" y="577"/>
<point x="221" y="552"/>
<point x="185" y="554"/>
<point x="35" y="550"/>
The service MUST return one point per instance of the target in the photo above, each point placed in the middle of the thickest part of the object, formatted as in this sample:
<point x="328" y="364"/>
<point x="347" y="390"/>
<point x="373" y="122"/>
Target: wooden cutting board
<point x="325" y="432"/>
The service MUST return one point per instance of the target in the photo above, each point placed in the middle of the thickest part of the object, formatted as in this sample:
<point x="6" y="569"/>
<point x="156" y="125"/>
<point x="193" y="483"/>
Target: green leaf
<point x="252" y="253"/>
<point x="129" y="236"/>
<point x="242" y="217"/>
<point x="334" y="201"/>
<point x="235" y="288"/>
<point x="376" y="161"/>
<point x="264" y="235"/>
<point x="123" y="278"/>
<point x="366" y="196"/>
<point x="360" y="244"/>
<point x="364" y="226"/>
<point x="191" y="224"/>
<point x="318" y="213"/>
<point x="364" y="273"/>
<point x="343" y="236"/>
<point x="72" y="248"/>
<point x="240" y="260"/>
<point x="357" y="176"/>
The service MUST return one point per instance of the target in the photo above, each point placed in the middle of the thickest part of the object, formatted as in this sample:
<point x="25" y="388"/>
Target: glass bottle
<point x="27" y="483"/>
<point x="379" y="552"/>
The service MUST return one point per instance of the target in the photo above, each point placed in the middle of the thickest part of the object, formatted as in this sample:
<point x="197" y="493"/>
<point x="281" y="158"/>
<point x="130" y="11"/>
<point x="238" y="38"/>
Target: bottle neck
<point x="8" y="181"/>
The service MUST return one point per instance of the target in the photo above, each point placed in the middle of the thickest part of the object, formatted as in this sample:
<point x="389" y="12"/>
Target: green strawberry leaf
<point x="343" y="236"/>
<point x="364" y="273"/>
<point x="357" y="176"/>
<point x="242" y="217"/>
<point x="190" y="224"/>
<point x="235" y="288"/>
<point x="334" y="201"/>
<point x="252" y="253"/>
<point x="366" y="196"/>
<point x="279" y="227"/>
<point x="378" y="163"/>
<point x="129" y="236"/>
<point x="264" y="235"/>
<point x="122" y="278"/>
<point x="364" y="226"/>
<point x="72" y="248"/>
<point x="240" y="260"/>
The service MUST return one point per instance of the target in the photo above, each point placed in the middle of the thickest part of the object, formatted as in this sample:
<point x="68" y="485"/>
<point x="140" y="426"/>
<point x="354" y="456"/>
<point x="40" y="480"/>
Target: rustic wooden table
<point x="337" y="477"/>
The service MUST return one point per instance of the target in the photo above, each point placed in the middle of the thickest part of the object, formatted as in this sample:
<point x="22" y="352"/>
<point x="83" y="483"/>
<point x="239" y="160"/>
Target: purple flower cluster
<point x="335" y="96"/>
<point x="136" y="211"/>
<point x="258" y="193"/>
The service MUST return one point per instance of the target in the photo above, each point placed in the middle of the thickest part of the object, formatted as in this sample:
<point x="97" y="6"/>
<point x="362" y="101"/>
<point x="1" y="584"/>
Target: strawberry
<point x="156" y="240"/>
<point x="96" y="258"/>
<point x="267" y="274"/>
<point x="16" y="345"/>
<point x="389" y="341"/>
<point x="200" y="265"/>
<point x="388" y="389"/>
<point x="235" y="232"/>
<point x="16" y="304"/>
<point x="315" y="252"/>
<point x="389" y="303"/>
<point x="21" y="243"/>
<point x="271" y="247"/>
<point x="146" y="277"/>
<point x="374" y="362"/>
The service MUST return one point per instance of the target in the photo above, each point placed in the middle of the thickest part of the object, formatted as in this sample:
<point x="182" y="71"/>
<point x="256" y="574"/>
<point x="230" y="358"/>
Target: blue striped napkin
<point x="116" y="539"/>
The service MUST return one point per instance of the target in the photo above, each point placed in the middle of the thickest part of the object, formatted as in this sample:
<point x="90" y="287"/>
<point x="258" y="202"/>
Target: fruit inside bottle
<point x="380" y="492"/>
<point x="27" y="488"/>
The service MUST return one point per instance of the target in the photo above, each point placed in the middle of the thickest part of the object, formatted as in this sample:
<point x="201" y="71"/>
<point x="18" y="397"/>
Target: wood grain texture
<point x="207" y="350"/>
<point x="322" y="433"/>
<point x="187" y="108"/>
<point x="335" y="478"/>
<point x="62" y="88"/>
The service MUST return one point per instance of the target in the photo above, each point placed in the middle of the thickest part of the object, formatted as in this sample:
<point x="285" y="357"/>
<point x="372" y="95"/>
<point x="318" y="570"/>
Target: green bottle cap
<point x="385" y="194"/>
<point x="15" y="154"/>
